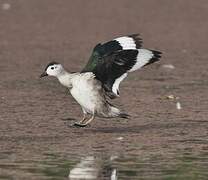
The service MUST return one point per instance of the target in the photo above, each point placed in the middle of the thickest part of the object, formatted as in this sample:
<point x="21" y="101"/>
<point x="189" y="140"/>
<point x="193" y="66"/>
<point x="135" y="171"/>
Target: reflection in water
<point x="86" y="169"/>
<point x="93" y="168"/>
<point x="62" y="167"/>
<point x="114" y="175"/>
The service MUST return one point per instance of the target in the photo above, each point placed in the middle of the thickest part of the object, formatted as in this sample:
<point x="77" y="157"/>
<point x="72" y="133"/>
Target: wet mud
<point x="161" y="140"/>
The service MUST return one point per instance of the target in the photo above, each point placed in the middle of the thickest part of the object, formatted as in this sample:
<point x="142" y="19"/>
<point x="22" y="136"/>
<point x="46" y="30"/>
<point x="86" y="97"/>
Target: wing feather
<point x="111" y="61"/>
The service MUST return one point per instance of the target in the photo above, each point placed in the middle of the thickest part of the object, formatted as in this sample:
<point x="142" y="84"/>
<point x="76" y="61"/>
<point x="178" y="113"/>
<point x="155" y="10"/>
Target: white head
<point x="53" y="69"/>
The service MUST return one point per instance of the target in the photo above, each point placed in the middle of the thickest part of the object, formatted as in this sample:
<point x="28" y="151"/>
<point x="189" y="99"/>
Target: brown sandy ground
<point x="34" y="113"/>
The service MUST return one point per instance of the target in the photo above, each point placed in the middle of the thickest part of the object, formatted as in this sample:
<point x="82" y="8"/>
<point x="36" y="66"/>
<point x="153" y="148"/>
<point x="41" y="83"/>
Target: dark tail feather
<point x="124" y="115"/>
<point x="115" y="112"/>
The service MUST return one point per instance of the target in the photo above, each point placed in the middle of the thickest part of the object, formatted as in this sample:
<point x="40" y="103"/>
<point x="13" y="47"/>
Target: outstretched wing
<point x="121" y="43"/>
<point x="112" y="61"/>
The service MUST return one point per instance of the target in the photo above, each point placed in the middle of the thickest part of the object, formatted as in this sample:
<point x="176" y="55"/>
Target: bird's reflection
<point x="93" y="168"/>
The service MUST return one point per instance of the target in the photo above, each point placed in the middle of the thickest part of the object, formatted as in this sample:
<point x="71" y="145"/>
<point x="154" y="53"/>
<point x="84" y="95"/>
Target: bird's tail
<point x="115" y="112"/>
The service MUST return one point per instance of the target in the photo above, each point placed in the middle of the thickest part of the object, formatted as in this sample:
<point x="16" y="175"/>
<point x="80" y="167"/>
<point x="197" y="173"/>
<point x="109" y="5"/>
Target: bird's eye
<point x="52" y="68"/>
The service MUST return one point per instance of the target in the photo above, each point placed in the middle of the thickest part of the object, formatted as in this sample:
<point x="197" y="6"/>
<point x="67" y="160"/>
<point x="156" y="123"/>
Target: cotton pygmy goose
<point x="108" y="65"/>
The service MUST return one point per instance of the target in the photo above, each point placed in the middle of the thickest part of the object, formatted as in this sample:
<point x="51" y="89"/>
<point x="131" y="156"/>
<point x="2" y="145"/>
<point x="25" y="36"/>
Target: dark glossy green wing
<point x="94" y="59"/>
<point x="101" y="50"/>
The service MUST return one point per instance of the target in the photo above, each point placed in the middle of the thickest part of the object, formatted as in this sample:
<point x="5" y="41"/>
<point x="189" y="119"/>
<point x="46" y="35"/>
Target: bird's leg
<point x="83" y="124"/>
<point x="84" y="117"/>
<point x="89" y="120"/>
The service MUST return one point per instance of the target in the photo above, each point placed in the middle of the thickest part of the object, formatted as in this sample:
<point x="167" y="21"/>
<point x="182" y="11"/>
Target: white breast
<point x="83" y="91"/>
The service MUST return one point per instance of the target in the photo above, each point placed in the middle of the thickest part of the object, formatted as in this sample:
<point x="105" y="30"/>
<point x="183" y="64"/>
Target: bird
<point x="98" y="82"/>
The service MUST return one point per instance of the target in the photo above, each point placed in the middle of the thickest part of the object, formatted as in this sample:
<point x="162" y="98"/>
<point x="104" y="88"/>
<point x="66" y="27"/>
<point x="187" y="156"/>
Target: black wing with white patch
<point x="120" y="43"/>
<point x="114" y="66"/>
<point x="112" y="61"/>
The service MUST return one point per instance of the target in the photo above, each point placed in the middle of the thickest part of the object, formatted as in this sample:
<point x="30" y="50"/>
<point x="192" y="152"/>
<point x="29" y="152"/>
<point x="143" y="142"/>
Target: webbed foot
<point x="77" y="124"/>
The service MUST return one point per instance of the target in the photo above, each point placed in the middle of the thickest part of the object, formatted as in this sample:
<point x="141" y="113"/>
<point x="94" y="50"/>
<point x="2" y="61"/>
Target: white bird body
<point x="108" y="65"/>
<point x="84" y="92"/>
<point x="88" y="92"/>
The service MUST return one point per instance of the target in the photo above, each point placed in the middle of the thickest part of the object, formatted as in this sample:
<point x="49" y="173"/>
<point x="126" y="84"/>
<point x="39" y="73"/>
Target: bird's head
<point x="52" y="69"/>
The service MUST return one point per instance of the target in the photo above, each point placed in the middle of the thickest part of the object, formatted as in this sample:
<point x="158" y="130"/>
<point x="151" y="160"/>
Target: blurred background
<point x="166" y="138"/>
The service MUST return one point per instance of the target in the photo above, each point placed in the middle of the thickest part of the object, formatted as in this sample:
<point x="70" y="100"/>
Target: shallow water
<point x="122" y="167"/>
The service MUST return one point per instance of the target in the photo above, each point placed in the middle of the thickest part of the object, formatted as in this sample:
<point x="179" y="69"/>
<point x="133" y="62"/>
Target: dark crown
<point x="50" y="64"/>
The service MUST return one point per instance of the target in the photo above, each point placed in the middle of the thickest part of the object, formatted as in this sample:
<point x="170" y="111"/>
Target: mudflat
<point x="166" y="136"/>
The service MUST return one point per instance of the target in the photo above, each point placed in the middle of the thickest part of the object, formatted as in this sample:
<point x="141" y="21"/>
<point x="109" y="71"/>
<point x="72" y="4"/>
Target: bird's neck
<point x="65" y="78"/>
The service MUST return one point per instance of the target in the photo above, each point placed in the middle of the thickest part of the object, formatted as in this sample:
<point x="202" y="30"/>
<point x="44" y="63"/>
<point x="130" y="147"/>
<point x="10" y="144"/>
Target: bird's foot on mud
<point x="78" y="124"/>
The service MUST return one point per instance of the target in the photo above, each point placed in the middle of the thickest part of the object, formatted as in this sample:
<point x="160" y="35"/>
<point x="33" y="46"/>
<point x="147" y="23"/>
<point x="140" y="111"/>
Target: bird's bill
<point x="43" y="74"/>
